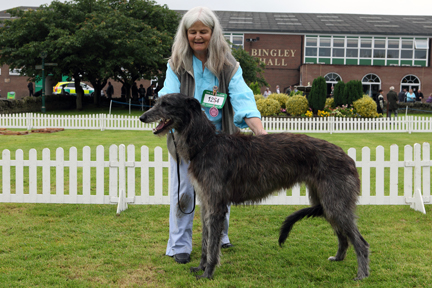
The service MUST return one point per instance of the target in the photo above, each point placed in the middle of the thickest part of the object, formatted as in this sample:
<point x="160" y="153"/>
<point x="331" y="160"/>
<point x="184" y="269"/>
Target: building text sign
<point x="274" y="57"/>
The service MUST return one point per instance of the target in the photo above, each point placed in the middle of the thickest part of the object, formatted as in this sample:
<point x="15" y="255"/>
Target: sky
<point x="383" y="7"/>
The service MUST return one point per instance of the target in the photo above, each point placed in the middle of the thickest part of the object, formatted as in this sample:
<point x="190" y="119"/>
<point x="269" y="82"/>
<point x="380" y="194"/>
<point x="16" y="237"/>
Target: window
<point x="371" y="78"/>
<point x="236" y="39"/>
<point x="406" y="54"/>
<point x="379" y="53"/>
<point x="420" y="54"/>
<point x="366" y="50"/>
<point x="421" y="44"/>
<point x="371" y="84"/>
<point x="332" y="78"/>
<point x="410" y="79"/>
<point x="365" y="53"/>
<point x="392" y="53"/>
<point x="410" y="82"/>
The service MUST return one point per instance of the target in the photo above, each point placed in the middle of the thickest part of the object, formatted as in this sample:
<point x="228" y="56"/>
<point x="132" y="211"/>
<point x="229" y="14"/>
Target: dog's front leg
<point x="215" y="226"/>
<point x="204" y="240"/>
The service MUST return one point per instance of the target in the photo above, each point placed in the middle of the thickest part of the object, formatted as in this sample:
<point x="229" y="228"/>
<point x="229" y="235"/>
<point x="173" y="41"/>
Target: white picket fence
<point x="103" y="122"/>
<point x="122" y="171"/>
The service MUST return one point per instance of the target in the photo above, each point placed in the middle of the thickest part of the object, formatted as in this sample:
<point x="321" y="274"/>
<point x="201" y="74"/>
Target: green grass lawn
<point x="51" y="245"/>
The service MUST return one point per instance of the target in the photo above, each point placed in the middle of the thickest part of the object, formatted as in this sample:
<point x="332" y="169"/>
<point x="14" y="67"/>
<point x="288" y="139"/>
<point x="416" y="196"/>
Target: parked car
<point x="68" y="88"/>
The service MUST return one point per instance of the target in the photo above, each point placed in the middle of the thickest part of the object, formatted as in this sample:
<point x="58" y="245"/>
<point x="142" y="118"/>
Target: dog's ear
<point x="193" y="104"/>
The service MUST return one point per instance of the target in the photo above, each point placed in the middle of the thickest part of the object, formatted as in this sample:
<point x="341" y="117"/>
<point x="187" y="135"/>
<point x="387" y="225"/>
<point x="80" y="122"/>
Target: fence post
<point x="102" y="121"/>
<point x="29" y="119"/>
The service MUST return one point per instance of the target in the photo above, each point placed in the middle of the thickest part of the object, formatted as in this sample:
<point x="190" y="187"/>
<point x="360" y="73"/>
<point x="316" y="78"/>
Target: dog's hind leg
<point x="346" y="225"/>
<point x="361" y="248"/>
<point x="215" y="225"/>
<point x="343" y="247"/>
<point x="204" y="240"/>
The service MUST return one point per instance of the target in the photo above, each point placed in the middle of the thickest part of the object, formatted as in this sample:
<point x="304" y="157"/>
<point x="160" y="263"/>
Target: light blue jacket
<point x="241" y="96"/>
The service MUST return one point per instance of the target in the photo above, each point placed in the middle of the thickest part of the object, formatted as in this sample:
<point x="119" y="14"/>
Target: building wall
<point x="282" y="56"/>
<point x="9" y="83"/>
<point x="18" y="84"/>
<point x="390" y="76"/>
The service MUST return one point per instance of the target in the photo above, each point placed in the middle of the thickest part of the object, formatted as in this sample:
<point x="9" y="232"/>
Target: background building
<point x="379" y="50"/>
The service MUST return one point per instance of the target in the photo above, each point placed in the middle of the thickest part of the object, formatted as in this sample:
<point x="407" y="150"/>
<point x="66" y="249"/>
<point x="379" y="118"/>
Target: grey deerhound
<point x="246" y="169"/>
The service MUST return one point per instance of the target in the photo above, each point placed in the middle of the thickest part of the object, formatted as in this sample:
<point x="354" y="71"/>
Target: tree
<point x="353" y="91"/>
<point x="252" y="67"/>
<point x="318" y="94"/>
<point x="91" y="40"/>
<point x="338" y="94"/>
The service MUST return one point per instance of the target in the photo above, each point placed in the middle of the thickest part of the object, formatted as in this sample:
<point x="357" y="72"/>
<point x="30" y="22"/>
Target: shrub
<point x="343" y="111"/>
<point x="338" y="94"/>
<point x="366" y="107"/>
<point x="268" y="107"/>
<point x="281" y="98"/>
<point x="297" y="105"/>
<point x="318" y="94"/>
<point x="255" y="87"/>
<point x="329" y="103"/>
<point x="352" y="92"/>
<point x="258" y="97"/>
<point x="296" y="93"/>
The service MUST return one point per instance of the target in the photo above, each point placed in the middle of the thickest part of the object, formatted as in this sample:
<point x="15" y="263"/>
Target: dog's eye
<point x="163" y="104"/>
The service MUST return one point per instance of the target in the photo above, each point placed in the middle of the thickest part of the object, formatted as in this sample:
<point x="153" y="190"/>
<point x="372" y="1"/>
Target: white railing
<point x="102" y="122"/>
<point x="29" y="180"/>
<point x="348" y="125"/>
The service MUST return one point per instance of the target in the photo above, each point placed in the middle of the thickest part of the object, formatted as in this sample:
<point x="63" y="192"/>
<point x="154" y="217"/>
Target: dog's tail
<point x="289" y="222"/>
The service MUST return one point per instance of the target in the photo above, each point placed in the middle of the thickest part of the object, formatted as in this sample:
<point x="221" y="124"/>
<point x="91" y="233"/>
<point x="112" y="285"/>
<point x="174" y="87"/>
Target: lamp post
<point x="43" y="55"/>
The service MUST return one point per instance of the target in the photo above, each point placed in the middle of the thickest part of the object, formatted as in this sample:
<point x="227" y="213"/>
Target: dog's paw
<point x="198" y="277"/>
<point x="195" y="269"/>
<point x="361" y="277"/>
<point x="334" y="258"/>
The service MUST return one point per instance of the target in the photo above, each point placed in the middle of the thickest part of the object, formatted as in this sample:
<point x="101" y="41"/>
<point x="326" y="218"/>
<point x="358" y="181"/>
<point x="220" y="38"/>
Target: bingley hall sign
<point x="273" y="57"/>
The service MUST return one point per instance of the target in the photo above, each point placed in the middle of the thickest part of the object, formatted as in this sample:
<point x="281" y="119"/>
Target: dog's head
<point x="174" y="111"/>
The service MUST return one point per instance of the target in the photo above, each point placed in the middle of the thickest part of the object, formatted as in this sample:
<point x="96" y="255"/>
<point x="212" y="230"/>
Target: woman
<point x="201" y="60"/>
<point x="267" y="92"/>
<point x="411" y="97"/>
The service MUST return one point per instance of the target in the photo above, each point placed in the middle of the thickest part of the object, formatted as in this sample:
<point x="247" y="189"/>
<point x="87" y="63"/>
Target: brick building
<point x="379" y="50"/>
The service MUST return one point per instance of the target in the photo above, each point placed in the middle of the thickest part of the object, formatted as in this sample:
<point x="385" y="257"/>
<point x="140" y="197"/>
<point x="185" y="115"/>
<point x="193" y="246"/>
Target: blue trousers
<point x="180" y="224"/>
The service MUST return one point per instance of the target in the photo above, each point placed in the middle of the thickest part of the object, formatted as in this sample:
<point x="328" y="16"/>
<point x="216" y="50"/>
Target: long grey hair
<point x="218" y="46"/>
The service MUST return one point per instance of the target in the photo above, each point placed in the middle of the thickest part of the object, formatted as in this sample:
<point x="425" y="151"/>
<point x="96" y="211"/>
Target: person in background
<point x="110" y="91"/>
<point x="380" y="101"/>
<point x="142" y="94"/>
<point x="123" y="92"/>
<point x="402" y="95"/>
<point x="267" y="92"/>
<point x="392" y="98"/>
<point x="410" y="96"/>
<point x="30" y="88"/>
<point x="150" y="94"/>
<point x="277" y="89"/>
<point x="134" y="91"/>
<point x="419" y="96"/>
<point x="201" y="60"/>
<point x="429" y="99"/>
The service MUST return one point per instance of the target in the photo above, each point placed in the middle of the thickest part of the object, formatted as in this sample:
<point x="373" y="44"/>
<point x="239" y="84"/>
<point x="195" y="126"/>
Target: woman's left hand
<point x="255" y="125"/>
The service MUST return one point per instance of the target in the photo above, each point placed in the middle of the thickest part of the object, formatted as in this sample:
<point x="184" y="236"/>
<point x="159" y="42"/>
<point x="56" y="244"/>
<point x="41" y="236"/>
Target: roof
<point x="304" y="23"/>
<point x="4" y="15"/>
<point x="312" y="23"/>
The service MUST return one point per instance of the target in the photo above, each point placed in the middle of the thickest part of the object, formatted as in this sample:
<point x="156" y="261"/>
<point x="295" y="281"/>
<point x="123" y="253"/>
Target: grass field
<point x="51" y="245"/>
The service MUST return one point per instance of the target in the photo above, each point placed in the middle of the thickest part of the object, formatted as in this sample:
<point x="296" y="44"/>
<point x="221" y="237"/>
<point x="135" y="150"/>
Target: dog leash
<point x="178" y="180"/>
